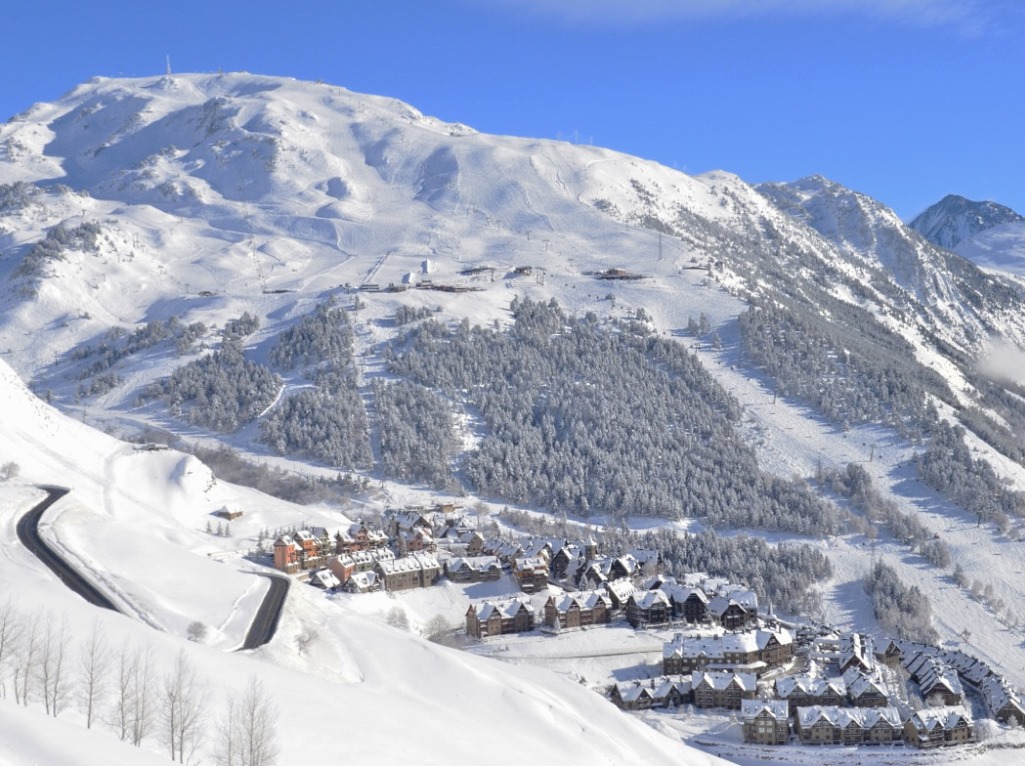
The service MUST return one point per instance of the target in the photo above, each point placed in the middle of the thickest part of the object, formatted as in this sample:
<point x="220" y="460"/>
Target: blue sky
<point x="905" y="100"/>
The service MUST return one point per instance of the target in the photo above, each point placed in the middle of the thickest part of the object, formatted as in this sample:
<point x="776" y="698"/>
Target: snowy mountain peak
<point x="955" y="219"/>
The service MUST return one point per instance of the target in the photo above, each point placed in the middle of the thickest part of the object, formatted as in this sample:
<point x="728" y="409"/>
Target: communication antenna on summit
<point x="168" y="64"/>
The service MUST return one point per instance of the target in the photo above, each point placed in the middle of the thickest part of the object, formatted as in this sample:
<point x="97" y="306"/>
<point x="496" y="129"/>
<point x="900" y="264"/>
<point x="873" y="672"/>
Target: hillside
<point x="357" y="664"/>
<point x="339" y="286"/>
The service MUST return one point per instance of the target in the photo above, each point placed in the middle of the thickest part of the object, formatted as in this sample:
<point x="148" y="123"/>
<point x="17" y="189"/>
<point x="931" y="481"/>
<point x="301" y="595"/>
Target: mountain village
<point x="782" y="681"/>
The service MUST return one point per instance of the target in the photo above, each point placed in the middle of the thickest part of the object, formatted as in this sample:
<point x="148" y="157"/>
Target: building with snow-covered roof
<point x="730" y="613"/>
<point x="505" y="550"/>
<point x="754" y="651"/>
<point x="495" y="618"/>
<point x="540" y="548"/>
<point x="229" y="512"/>
<point x="619" y="591"/>
<point x="417" y="570"/>
<point x="690" y="604"/>
<point x="325" y="579"/>
<point x="632" y="695"/>
<point x="937" y="681"/>
<point x="865" y="689"/>
<point x="829" y="725"/>
<point x="810" y="691"/>
<point x="648" y="560"/>
<point x="1002" y="701"/>
<point x="473" y="569"/>
<point x="287" y="554"/>
<point x="344" y="565"/>
<point x="578" y="610"/>
<point x="856" y="650"/>
<point x="565" y="560"/>
<point x="671" y="691"/>
<point x="936" y="727"/>
<point x="360" y="537"/>
<point x="418" y="539"/>
<point x="765" y="722"/>
<point x="648" y="607"/>
<point x="531" y="573"/>
<point x="362" y="582"/>
<point x="722" y="688"/>
<point x="663" y="691"/>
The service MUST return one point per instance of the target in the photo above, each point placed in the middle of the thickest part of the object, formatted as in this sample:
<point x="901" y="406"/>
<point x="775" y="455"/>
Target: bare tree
<point x="51" y="669"/>
<point x="24" y="673"/>
<point x="94" y="666"/>
<point x="397" y="618"/>
<point x="43" y="669"/>
<point x="436" y="627"/>
<point x="183" y="704"/>
<point x="304" y="639"/>
<point x="142" y="704"/>
<point x="196" y="631"/>
<point x="126" y="666"/>
<point x="10" y="633"/>
<point x="133" y="712"/>
<point x="246" y="735"/>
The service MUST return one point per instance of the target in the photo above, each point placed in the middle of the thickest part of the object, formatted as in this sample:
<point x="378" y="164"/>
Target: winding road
<point x="260" y="632"/>
<point x="28" y="533"/>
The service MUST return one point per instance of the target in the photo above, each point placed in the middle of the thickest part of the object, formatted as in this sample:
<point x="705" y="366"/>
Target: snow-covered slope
<point x="404" y="696"/>
<point x="955" y="219"/>
<point x="1000" y="248"/>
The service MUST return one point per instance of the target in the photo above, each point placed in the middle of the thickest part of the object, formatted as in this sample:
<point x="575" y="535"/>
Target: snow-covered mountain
<point x="206" y="191"/>
<point x="144" y="221"/>
<point x="955" y="219"/>
<point x="988" y="234"/>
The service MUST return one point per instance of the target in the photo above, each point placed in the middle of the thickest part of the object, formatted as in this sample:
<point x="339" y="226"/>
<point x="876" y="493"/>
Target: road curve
<point x="28" y="533"/>
<point x="265" y="623"/>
